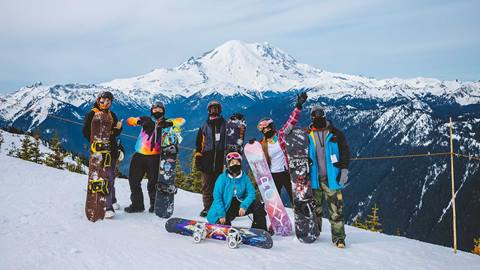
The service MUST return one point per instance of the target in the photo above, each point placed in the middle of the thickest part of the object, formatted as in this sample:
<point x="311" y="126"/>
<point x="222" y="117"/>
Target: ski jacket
<point x="209" y="148"/>
<point x="87" y="129"/>
<point x="225" y="189"/>
<point x="336" y="148"/>
<point x="154" y="135"/>
<point x="280" y="135"/>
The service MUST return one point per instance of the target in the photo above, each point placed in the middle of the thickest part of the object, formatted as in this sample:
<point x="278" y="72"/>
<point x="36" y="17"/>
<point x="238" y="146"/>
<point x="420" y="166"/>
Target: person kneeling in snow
<point x="234" y="196"/>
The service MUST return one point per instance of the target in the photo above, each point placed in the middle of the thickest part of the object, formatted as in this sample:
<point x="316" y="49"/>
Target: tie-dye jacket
<point x="154" y="135"/>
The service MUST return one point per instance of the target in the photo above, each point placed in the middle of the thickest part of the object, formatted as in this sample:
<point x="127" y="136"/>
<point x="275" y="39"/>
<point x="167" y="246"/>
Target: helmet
<point x="317" y="111"/>
<point x="157" y="105"/>
<point x="233" y="155"/>
<point x="105" y="94"/>
<point x="215" y="103"/>
<point x="265" y="122"/>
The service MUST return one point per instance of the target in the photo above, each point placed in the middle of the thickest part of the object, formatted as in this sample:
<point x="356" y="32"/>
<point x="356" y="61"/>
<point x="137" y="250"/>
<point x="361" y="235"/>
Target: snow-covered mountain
<point x="379" y="117"/>
<point x="43" y="222"/>
<point x="233" y="68"/>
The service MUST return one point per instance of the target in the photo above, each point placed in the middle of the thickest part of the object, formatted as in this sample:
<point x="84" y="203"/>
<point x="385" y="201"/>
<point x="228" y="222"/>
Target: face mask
<point x="157" y="115"/>
<point x="234" y="169"/>
<point x="269" y="134"/>
<point x="319" y="122"/>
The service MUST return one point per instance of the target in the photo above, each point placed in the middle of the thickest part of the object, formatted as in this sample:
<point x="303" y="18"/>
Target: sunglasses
<point x="263" y="124"/>
<point x="233" y="155"/>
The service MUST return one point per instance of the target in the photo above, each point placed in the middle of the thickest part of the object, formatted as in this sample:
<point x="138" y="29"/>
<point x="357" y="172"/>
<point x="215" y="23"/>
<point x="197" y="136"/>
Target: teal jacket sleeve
<point x="218" y="197"/>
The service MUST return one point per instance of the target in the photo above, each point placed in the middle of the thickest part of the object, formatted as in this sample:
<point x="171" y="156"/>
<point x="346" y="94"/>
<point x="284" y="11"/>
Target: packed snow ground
<point x="43" y="226"/>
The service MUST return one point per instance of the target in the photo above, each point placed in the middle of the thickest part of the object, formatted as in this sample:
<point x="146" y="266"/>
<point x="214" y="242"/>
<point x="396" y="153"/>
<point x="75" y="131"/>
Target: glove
<point x="301" y="98"/>
<point x="198" y="161"/>
<point x="147" y="124"/>
<point x="342" y="178"/>
<point x="142" y="120"/>
<point x="251" y="141"/>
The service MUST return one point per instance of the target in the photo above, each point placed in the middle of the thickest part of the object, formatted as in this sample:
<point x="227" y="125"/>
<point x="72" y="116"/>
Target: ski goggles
<point x="104" y="101"/>
<point x="318" y="113"/>
<point x="233" y="155"/>
<point x="263" y="124"/>
<point x="157" y="105"/>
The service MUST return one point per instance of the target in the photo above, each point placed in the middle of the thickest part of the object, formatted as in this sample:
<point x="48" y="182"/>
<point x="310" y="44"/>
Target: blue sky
<point x="90" y="41"/>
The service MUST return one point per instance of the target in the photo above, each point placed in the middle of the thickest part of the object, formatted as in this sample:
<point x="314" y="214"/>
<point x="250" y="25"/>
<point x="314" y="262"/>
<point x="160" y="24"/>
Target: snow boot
<point x="204" y="212"/>
<point x="109" y="213"/>
<point x="132" y="209"/>
<point x="340" y="243"/>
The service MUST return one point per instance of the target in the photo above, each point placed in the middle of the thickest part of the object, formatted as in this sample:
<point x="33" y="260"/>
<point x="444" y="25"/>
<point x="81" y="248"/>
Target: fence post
<point x="453" y="191"/>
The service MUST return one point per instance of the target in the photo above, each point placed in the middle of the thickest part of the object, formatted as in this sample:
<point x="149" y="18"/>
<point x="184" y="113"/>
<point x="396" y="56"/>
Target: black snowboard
<point x="166" y="183"/>
<point x="306" y="229"/>
<point x="235" y="133"/>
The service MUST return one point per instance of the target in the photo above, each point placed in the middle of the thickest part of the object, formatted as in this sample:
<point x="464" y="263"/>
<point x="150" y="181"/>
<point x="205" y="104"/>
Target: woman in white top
<point x="274" y="148"/>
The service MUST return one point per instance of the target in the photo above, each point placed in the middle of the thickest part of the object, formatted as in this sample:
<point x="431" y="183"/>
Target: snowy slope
<point x="42" y="226"/>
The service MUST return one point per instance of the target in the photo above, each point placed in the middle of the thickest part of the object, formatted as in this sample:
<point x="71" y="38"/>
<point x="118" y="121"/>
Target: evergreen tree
<point x="77" y="167"/>
<point x="194" y="177"/>
<point x="36" y="155"/>
<point x="181" y="180"/>
<point x="55" y="159"/>
<point x="25" y="151"/>
<point x="13" y="152"/>
<point x="357" y="223"/>
<point x="372" y="223"/>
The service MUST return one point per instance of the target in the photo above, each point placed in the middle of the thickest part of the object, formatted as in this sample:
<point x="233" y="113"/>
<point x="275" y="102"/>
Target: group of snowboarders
<point x="227" y="191"/>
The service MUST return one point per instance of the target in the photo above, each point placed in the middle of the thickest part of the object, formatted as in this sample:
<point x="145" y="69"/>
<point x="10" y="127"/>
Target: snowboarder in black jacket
<point x="103" y="103"/>
<point x="210" y="152"/>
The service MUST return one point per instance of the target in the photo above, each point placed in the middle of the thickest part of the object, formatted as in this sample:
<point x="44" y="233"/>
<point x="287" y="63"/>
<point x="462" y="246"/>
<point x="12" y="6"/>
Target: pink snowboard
<point x="273" y="203"/>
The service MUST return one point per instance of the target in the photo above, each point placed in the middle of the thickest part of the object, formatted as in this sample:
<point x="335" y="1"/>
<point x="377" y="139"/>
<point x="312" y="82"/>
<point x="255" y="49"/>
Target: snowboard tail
<point x="164" y="198"/>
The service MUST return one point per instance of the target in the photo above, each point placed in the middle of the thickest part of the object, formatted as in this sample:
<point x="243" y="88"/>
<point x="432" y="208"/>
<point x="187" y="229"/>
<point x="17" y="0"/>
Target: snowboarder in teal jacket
<point x="234" y="196"/>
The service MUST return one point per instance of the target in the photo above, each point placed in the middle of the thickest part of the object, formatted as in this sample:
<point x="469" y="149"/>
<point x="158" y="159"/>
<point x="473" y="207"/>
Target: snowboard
<point x="201" y="230"/>
<point x="306" y="228"/>
<point x="235" y="133"/>
<point x="276" y="212"/>
<point x="165" y="188"/>
<point x="98" y="165"/>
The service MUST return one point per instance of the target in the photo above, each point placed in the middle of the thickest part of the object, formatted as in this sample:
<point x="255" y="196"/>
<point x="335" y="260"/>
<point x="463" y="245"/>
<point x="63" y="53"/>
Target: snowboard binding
<point x="199" y="232"/>
<point x="103" y="148"/>
<point x="169" y="150"/>
<point x="233" y="238"/>
<point x="98" y="186"/>
<point x="167" y="189"/>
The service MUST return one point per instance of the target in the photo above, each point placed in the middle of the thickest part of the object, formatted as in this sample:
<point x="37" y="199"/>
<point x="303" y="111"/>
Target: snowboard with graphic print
<point x="306" y="228"/>
<point x="277" y="214"/>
